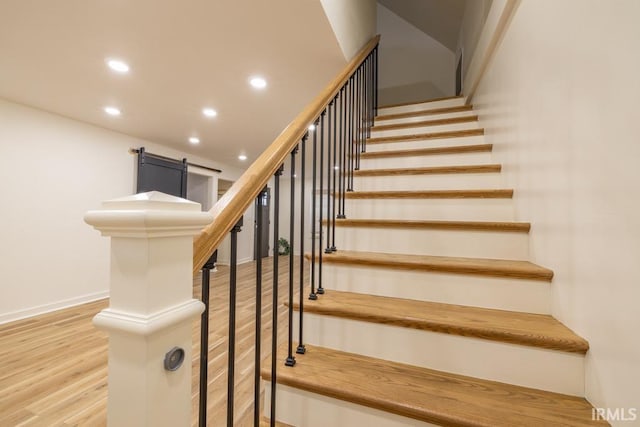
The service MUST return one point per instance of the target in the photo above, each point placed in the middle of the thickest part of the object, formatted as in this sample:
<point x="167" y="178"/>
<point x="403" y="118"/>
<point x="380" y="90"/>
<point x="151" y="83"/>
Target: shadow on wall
<point x="413" y="92"/>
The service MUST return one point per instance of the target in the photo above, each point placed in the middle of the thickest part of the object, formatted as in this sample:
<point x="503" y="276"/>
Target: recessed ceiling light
<point x="209" y="112"/>
<point x="194" y="140"/>
<point x="312" y="127"/>
<point x="242" y="157"/>
<point x="118" y="66"/>
<point x="258" y="82"/>
<point x="112" y="111"/>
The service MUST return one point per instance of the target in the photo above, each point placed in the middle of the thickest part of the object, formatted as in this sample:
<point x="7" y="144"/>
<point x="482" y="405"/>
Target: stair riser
<point x="425" y="129"/>
<point x="530" y="296"/>
<point x="302" y="408"/>
<point x="459" y="181"/>
<point x="445" y="103"/>
<point x="432" y="209"/>
<point x="474" y="244"/>
<point x="478" y="158"/>
<point x="424" y="117"/>
<point x="426" y="143"/>
<point x="509" y="363"/>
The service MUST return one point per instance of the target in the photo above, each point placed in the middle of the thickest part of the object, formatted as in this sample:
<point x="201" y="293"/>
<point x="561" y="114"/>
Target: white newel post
<point x="151" y="307"/>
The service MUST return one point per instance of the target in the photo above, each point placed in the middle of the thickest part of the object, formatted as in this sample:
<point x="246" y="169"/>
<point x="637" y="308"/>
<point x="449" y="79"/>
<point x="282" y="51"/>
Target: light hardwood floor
<point x="54" y="366"/>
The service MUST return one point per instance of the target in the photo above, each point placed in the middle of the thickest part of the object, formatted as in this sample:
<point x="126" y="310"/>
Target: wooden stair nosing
<point x="436" y="122"/>
<point x="409" y="114"/>
<point x="457" y="149"/>
<point x="426" y="136"/>
<point x="428" y="395"/>
<point x="532" y="330"/>
<point x="426" y="101"/>
<point x="441" y="264"/>
<point x="432" y="194"/>
<point x="432" y="170"/>
<point x="523" y="227"/>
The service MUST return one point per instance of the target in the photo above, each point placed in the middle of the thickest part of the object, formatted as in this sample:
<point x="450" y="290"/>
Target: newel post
<point x="151" y="311"/>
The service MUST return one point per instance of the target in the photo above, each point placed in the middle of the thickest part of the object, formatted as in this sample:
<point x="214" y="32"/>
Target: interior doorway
<point x="200" y="189"/>
<point x="224" y="250"/>
<point x="263" y="205"/>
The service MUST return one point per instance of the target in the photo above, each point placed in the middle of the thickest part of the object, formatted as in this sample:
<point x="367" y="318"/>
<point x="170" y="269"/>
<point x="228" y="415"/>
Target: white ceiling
<point x="441" y="19"/>
<point x="184" y="55"/>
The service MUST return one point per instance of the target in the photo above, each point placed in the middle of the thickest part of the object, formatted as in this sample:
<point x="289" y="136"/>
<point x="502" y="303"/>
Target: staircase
<point x="433" y="314"/>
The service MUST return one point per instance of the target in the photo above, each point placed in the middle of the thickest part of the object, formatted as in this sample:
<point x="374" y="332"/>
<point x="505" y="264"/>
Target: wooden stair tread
<point x="433" y="122"/>
<point x="265" y="422"/>
<point x="429" y="395"/>
<point x="535" y="330"/>
<point x="445" y="110"/>
<point x="426" y="101"/>
<point x="438" y="225"/>
<point x="458" y="149"/>
<point x="432" y="194"/>
<point x="429" y="135"/>
<point x="433" y="170"/>
<point x="458" y="265"/>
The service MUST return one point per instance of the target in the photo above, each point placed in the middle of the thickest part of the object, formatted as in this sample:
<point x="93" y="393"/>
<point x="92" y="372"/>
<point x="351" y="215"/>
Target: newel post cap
<point x="151" y="214"/>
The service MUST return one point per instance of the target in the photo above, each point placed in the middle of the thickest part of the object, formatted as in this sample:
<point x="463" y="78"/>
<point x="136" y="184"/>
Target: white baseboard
<point x="47" y="308"/>
<point x="240" y="261"/>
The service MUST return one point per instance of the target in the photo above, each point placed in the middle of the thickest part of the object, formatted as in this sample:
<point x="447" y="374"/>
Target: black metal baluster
<point x="312" y="295"/>
<point x="363" y="109"/>
<point x="291" y="360"/>
<point x="258" y="332"/>
<point x="320" y="290"/>
<point x="358" y="121"/>
<point x="331" y="108"/>
<point x="371" y="92"/>
<point x="333" y="168"/>
<point x="369" y="97"/>
<point x="232" y="320"/>
<point x="366" y="102"/>
<point x="351" y="133"/>
<point x="301" y="349"/>
<point x="204" y="342"/>
<point x="375" y="99"/>
<point x="343" y="140"/>
<point x="343" y="143"/>
<point x="274" y="303"/>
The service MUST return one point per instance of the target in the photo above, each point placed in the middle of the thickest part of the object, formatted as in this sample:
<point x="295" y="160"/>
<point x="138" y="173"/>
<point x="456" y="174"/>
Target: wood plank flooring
<point x="55" y="365"/>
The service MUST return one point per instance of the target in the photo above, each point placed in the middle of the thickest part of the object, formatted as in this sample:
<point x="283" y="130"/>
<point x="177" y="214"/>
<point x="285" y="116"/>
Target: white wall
<point x="559" y="103"/>
<point x="353" y="22"/>
<point x="413" y="65"/>
<point x="54" y="170"/>
<point x="473" y="19"/>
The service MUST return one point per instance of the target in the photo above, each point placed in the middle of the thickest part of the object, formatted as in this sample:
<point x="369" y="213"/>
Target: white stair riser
<point x="435" y="209"/>
<point x="459" y="181"/>
<point x="423" y="118"/>
<point x="532" y="296"/>
<point x="477" y="158"/>
<point x="426" y="143"/>
<point x="305" y="409"/>
<point x="445" y="103"/>
<point x="455" y="243"/>
<point x="425" y="129"/>
<point x="508" y="363"/>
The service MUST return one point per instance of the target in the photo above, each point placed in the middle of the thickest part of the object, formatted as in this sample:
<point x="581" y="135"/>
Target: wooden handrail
<point x="228" y="210"/>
